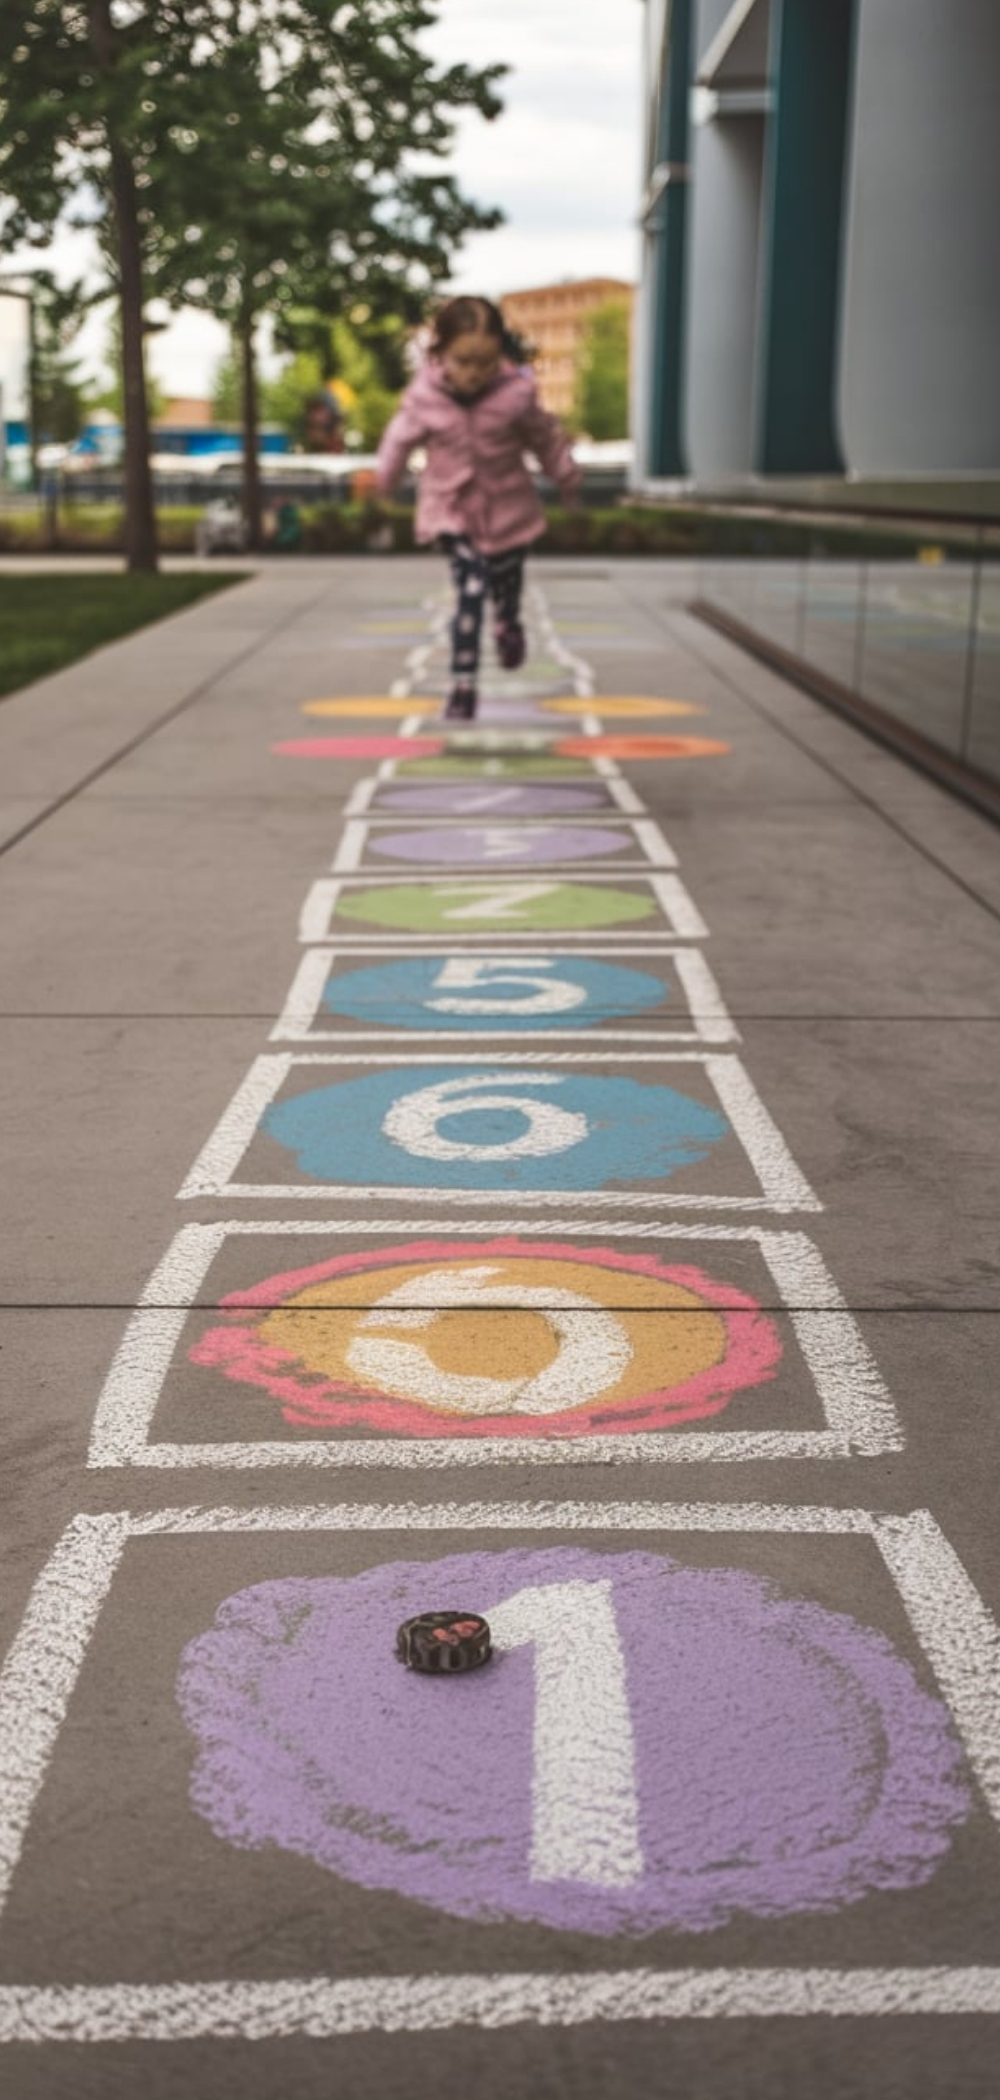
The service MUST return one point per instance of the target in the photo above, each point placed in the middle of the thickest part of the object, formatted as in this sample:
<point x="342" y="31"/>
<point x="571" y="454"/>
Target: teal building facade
<point x="821" y="241"/>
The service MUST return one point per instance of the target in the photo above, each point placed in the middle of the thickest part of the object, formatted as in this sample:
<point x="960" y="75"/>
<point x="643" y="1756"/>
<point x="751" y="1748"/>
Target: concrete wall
<point x="920" y="335"/>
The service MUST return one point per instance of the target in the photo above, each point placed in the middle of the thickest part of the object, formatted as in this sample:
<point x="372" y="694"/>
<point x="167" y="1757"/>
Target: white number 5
<point x="462" y="973"/>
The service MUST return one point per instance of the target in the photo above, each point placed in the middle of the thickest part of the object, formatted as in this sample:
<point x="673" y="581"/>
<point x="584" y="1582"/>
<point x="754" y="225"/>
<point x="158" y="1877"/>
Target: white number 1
<point x="585" y="1810"/>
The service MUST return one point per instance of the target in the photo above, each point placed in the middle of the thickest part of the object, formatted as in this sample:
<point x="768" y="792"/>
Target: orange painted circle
<point x="640" y="747"/>
<point x="378" y="704"/>
<point x="617" y="704"/>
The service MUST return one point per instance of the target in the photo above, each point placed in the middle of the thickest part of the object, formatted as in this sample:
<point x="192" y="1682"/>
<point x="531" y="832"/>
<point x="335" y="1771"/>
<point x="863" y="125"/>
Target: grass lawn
<point x="48" y="621"/>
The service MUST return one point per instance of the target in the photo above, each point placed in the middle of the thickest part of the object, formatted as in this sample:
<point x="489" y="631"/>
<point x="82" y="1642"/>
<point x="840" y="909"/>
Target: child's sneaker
<point x="510" y="645"/>
<point x="461" y="704"/>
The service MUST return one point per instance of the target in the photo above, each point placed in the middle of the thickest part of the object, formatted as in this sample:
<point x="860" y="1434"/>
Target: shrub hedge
<point x="626" y="528"/>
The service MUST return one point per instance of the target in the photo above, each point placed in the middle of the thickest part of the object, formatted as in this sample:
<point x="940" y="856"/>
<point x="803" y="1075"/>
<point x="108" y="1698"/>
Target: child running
<point x="476" y="414"/>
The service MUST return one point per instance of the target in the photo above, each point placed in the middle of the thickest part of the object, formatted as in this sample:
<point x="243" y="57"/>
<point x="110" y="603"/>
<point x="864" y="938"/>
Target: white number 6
<point x="412" y="1121"/>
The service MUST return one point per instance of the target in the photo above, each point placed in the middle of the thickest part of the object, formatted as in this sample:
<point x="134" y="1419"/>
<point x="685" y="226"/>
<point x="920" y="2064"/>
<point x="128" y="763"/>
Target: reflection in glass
<point x="833" y="599"/>
<point x="915" y="644"/>
<point x="778" y="606"/>
<point x="983" y="747"/>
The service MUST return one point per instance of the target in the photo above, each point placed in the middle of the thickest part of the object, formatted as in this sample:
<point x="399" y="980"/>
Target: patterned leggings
<point x="474" y="575"/>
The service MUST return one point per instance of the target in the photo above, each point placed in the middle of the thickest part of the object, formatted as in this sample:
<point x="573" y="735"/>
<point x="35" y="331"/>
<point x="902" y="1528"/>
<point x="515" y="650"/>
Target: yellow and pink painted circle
<point x="506" y="1338"/>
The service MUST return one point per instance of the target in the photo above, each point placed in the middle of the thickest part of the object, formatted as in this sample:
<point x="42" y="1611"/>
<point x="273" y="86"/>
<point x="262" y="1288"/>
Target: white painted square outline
<point x="711" y="1022"/>
<point x="650" y="843"/>
<point x="683" y="920"/>
<point x="783" y="1187"/>
<point x="622" y="799"/>
<point x="861" y="1421"/>
<point x="958" y="1636"/>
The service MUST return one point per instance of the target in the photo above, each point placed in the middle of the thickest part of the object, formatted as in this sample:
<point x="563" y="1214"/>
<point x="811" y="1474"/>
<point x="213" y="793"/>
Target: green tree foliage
<point x="602" y="390"/>
<point x="108" y="392"/>
<point x="367" y="357"/>
<point x="242" y="155"/>
<point x="303" y="175"/>
<point x="59" y="393"/>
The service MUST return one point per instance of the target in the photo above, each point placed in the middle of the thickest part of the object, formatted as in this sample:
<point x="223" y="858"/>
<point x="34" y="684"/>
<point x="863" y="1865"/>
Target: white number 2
<point x="462" y="973"/>
<point x="585" y="1810"/>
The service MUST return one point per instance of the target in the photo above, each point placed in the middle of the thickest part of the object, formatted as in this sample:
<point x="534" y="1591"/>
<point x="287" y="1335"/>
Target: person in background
<point x="476" y="414"/>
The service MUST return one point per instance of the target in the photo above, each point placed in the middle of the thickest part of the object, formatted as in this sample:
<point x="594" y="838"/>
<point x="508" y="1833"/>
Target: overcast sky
<point x="563" y="162"/>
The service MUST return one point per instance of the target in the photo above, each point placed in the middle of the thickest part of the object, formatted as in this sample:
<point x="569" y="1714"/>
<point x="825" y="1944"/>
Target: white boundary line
<point x="318" y="2008"/>
<point x="706" y="1010"/>
<point x="580" y="671"/>
<point x="783" y="1187"/>
<point x="683" y="919"/>
<point x="858" y="1413"/>
<point x="958" y="1636"/>
<point x="359" y="834"/>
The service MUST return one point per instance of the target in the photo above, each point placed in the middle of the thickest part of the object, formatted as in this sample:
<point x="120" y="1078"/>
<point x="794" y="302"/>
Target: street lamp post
<point x="16" y="291"/>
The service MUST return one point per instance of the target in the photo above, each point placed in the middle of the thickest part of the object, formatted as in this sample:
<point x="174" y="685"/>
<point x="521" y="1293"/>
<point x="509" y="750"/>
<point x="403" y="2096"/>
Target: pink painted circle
<point x="499" y="1338"/>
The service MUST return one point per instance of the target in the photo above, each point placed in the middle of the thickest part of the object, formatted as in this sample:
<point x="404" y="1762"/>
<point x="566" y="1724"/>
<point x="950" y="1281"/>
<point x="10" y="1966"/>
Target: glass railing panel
<point x="915" y="644"/>
<point x="778" y="603"/>
<point x="983" y="717"/>
<point x="831" y="618"/>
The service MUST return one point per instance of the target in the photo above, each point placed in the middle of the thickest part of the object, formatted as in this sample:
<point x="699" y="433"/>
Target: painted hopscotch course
<point x="571" y="1317"/>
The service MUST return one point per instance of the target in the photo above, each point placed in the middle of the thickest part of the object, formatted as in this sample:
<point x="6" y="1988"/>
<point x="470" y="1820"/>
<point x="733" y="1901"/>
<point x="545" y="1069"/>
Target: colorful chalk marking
<point x="499" y="766"/>
<point x="484" y="907"/>
<point x="591" y="747"/>
<point x="488" y="992"/>
<point x="379" y="704"/>
<point x="493" y="800"/>
<point x="351" y="747"/>
<point x="617" y="704"/>
<point x="487" y="1128"/>
<point x="507" y="1338"/>
<point x="641" y="747"/>
<point x="501" y="845"/>
<point x="652" y="1746"/>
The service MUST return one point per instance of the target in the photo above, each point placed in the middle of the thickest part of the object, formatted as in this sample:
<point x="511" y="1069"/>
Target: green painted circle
<point x="497" y="768"/>
<point x="465" y="906"/>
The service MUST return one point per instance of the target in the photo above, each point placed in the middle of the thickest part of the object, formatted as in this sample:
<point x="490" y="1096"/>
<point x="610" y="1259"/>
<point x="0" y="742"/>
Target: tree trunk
<point x="140" y="516"/>
<point x="251" y="465"/>
<point x="140" y="519"/>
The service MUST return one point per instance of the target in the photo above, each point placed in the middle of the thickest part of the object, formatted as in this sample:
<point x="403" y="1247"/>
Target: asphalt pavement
<point x="544" y="1171"/>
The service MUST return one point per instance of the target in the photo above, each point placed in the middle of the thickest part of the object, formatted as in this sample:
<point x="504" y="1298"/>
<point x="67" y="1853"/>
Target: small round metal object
<point x="441" y="1642"/>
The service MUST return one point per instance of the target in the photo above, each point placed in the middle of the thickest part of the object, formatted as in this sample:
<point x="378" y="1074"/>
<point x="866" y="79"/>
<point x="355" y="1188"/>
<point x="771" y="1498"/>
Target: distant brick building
<point x="185" y="412"/>
<point x="552" y="318"/>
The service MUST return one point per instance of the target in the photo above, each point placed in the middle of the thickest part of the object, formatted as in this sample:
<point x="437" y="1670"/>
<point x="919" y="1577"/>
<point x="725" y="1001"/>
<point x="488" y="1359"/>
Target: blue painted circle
<point x="570" y="1130"/>
<point x="522" y="992"/>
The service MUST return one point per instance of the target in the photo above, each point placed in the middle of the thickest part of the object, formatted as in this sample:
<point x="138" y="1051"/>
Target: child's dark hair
<point x="466" y="316"/>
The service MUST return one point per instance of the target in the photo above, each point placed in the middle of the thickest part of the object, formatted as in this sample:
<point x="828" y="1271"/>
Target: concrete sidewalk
<point x="327" y="1295"/>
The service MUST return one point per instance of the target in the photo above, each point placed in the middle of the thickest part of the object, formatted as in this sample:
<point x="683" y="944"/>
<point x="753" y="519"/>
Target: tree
<point x="57" y="388"/>
<point x="236" y="154"/>
<point x="602" y="388"/>
<point x="60" y="391"/>
<point x="84" y="92"/>
<point x="362" y="352"/>
<point x="303" y="173"/>
<point x="108" y="392"/>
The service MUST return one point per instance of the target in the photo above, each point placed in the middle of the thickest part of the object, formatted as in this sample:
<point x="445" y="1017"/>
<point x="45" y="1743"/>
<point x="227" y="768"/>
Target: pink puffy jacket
<point x="475" y="480"/>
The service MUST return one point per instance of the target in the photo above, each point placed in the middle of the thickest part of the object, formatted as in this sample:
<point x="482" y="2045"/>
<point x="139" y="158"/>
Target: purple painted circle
<point x="501" y="845"/>
<point x="778" y="1757"/>
<point x="492" y="801"/>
